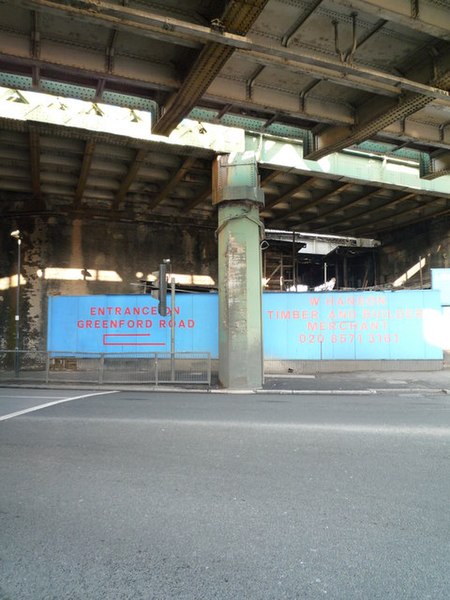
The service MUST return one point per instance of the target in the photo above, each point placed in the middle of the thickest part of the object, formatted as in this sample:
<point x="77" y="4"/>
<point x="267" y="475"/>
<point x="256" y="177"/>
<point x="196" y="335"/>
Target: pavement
<point x="357" y="382"/>
<point x="363" y="381"/>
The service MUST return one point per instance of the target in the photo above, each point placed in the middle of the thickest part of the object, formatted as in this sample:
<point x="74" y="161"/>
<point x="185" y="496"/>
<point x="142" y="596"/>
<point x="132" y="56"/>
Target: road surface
<point x="156" y="496"/>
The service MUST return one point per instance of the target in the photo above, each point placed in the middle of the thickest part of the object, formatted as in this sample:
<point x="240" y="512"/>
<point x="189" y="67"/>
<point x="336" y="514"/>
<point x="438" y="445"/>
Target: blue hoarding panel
<point x="440" y="280"/>
<point x="131" y="324"/>
<point x="297" y="326"/>
<point x="350" y="325"/>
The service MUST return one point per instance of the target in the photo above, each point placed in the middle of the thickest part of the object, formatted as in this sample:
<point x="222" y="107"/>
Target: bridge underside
<point x="344" y="106"/>
<point x="359" y="89"/>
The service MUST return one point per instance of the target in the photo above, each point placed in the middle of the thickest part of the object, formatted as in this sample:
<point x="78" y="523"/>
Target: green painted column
<point x="238" y="195"/>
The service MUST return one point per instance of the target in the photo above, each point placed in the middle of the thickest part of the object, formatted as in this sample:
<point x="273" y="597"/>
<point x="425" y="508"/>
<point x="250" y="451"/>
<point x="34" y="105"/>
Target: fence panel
<point x="24" y="365"/>
<point x="106" y="369"/>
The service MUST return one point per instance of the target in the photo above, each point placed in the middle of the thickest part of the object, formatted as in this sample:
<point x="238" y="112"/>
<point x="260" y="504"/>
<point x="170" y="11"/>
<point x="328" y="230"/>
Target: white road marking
<point x="47" y="404"/>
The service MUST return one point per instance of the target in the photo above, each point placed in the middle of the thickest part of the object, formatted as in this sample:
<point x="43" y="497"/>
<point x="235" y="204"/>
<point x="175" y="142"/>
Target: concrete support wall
<point x="66" y="256"/>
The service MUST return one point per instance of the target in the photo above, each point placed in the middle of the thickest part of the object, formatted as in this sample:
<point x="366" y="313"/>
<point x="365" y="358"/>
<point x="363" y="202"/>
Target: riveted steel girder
<point x="436" y="167"/>
<point x="146" y="24"/>
<point x="429" y="16"/>
<point x="238" y="17"/>
<point x="35" y="162"/>
<point x="164" y="193"/>
<point x="347" y="165"/>
<point x="335" y="139"/>
<point x="89" y="149"/>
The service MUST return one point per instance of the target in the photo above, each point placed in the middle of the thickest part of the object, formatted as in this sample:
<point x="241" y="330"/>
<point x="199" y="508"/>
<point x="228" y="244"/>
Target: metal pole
<point x="47" y="367"/>
<point x="17" y="317"/>
<point x="172" y="331"/>
<point x="101" y="369"/>
<point x="294" y="263"/>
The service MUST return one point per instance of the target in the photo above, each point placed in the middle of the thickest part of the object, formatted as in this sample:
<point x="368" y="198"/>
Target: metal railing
<point x="108" y="368"/>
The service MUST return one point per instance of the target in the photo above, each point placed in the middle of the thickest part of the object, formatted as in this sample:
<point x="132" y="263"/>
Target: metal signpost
<point x="17" y="235"/>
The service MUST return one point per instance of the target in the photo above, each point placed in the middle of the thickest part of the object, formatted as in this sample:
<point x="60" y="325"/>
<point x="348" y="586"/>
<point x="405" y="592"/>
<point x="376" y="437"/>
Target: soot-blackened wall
<point x="425" y="245"/>
<point x="85" y="256"/>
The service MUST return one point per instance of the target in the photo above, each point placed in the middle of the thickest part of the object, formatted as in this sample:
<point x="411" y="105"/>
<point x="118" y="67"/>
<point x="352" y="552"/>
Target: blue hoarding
<point x="296" y="326"/>
<point x="131" y="323"/>
<point x="351" y="325"/>
<point x="440" y="280"/>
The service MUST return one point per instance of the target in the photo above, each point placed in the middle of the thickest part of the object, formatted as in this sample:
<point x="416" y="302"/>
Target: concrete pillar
<point x="236" y="191"/>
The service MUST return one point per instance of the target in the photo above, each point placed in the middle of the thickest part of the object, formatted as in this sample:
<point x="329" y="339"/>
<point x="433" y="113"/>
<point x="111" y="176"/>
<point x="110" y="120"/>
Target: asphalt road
<point x="211" y="496"/>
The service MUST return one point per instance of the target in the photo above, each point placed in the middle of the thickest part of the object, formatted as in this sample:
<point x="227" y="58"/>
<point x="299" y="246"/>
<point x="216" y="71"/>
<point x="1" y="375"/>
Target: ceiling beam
<point x="411" y="131"/>
<point x="35" y="164"/>
<point x="376" y="223"/>
<point x="378" y="114"/>
<point x="131" y="175"/>
<point x="335" y="139"/>
<point x="436" y="167"/>
<point x="202" y="197"/>
<point x="238" y="18"/>
<point x="374" y="209"/>
<point x="420" y="219"/>
<point x="269" y="178"/>
<point x="290" y="33"/>
<point x="109" y="51"/>
<point x="405" y="130"/>
<point x="316" y="65"/>
<point x="89" y="149"/>
<point x="299" y="209"/>
<point x="339" y="208"/>
<point x="288" y="195"/>
<point x="430" y="17"/>
<point x="35" y="48"/>
<point x="206" y="68"/>
<point x="167" y="189"/>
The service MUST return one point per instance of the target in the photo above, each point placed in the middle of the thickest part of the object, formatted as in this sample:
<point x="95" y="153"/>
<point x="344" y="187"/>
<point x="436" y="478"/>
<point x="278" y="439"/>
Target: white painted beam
<point x="377" y="171"/>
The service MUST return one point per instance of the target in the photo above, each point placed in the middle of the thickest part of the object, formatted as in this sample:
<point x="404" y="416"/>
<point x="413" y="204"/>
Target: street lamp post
<point x="18" y="236"/>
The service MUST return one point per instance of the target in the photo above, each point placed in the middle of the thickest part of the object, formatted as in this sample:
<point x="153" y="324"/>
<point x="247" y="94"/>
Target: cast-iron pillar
<point x="238" y="195"/>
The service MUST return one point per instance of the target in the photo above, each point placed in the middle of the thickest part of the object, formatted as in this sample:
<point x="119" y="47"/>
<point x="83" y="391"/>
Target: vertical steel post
<point x="47" y="367"/>
<point x="18" y="237"/>
<point x="209" y="369"/>
<point x="101" y="369"/>
<point x="294" y="263"/>
<point x="172" y="331"/>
